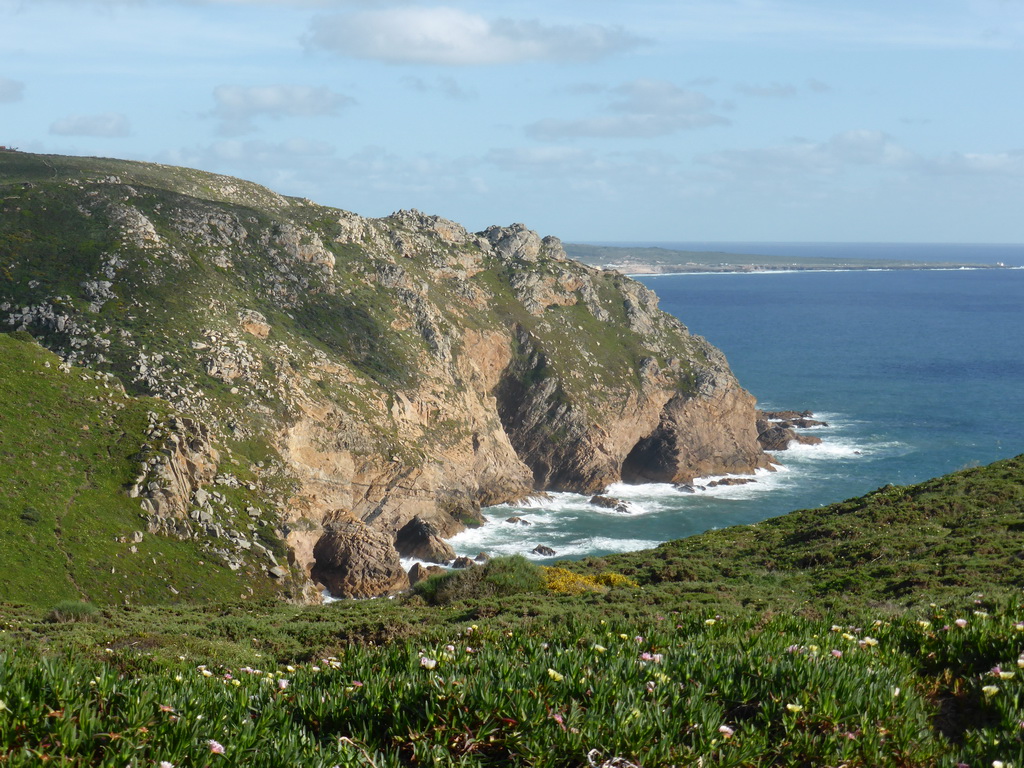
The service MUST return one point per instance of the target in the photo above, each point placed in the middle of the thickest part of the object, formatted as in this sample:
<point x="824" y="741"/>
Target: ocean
<point x="918" y="373"/>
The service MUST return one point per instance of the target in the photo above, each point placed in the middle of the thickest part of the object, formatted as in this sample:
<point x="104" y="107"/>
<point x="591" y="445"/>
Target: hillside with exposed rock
<point x="371" y="376"/>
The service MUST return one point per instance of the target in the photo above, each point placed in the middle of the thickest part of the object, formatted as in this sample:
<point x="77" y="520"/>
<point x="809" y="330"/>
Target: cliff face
<point x="372" y="371"/>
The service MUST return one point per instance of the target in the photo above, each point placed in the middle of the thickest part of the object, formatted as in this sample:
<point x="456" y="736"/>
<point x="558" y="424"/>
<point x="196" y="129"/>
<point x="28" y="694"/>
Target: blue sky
<point x="593" y="120"/>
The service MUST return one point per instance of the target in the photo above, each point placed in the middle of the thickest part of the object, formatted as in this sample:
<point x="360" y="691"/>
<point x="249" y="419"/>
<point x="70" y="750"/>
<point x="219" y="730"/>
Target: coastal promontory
<point x="337" y="383"/>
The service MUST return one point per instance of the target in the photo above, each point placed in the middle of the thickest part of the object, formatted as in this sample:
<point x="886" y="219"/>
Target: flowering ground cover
<point x="940" y="688"/>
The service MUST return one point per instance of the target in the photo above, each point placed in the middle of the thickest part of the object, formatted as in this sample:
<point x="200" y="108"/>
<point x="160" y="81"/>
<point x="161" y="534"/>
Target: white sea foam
<point x="594" y="544"/>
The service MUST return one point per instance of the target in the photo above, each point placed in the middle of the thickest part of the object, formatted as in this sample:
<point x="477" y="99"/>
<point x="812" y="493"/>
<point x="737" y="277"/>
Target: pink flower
<point x="166" y="764"/>
<point x="282" y="684"/>
<point x="357" y="684"/>
<point x="726" y="731"/>
<point x="837" y="654"/>
<point x="216" y="748"/>
<point x="961" y="623"/>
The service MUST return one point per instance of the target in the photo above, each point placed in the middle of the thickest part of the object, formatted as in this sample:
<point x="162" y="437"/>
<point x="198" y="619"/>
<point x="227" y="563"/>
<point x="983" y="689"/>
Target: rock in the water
<point x="463" y="562"/>
<point x="517" y="521"/>
<point x="609" y="502"/>
<point x="482" y="557"/>
<point x="540" y="549"/>
<point x="689" y="487"/>
<point x="420" y="572"/>
<point x="731" y="481"/>
<point x="422" y="540"/>
<point x="775" y="429"/>
<point x="354" y="560"/>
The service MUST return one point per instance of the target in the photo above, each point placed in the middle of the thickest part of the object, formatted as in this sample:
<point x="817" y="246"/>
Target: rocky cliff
<point x="370" y="372"/>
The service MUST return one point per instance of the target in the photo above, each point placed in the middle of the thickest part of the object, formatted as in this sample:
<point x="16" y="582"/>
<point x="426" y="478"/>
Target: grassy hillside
<point x="70" y="444"/>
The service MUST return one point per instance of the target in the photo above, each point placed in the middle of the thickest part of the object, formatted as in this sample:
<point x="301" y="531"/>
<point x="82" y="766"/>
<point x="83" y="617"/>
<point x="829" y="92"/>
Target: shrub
<point x="568" y="582"/>
<point x="31" y="515"/>
<point x="500" y="577"/>
<point x="73" y="610"/>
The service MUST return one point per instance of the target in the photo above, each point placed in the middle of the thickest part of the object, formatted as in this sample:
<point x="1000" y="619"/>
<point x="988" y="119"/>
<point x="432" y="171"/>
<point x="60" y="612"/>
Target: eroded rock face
<point x="356" y="560"/>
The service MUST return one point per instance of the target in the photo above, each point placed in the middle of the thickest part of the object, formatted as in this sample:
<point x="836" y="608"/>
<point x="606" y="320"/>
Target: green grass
<point x="69" y="448"/>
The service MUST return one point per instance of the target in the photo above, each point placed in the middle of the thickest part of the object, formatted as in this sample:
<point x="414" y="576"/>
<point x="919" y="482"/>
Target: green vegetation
<point x="734" y="648"/>
<point x="69" y="448"/>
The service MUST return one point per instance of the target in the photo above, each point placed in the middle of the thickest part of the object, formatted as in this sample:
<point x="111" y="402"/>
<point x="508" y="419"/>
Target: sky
<point x="591" y="120"/>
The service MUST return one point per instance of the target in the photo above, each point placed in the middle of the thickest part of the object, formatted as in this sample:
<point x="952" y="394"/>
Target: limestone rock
<point x="355" y="560"/>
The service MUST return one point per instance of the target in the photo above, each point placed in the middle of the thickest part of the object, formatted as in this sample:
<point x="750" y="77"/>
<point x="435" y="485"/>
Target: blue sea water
<point x="918" y="373"/>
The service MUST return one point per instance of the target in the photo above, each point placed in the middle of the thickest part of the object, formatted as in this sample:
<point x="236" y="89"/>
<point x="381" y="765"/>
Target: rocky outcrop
<point x="171" y="475"/>
<point x="355" y="560"/>
<point x="776" y="429"/>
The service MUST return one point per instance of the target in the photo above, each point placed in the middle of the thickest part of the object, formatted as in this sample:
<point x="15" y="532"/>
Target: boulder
<point x="609" y="502"/>
<point x="540" y="549"/>
<point x="463" y="562"/>
<point x="354" y="560"/>
<point x="517" y="521"/>
<point x="420" y="572"/>
<point x="421" y="539"/>
<point x="731" y="481"/>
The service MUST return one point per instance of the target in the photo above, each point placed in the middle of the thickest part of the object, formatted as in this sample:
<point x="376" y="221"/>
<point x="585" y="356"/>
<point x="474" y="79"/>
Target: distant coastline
<point x="656" y="260"/>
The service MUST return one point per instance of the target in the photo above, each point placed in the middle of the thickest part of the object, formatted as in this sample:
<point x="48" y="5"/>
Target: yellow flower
<point x="709" y="622"/>
<point x="794" y="707"/>
<point x="600" y="648"/>
<point x="990" y="690"/>
<point x="555" y="675"/>
<point x="1006" y="675"/>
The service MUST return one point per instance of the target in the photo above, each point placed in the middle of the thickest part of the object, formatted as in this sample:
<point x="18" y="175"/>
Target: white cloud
<point x="861" y="148"/>
<point x="644" y="108"/>
<point x="11" y="90"/>
<point x="237" y="106"/>
<point x="546" y="160"/>
<point x="108" y="125"/>
<point x="449" y="36"/>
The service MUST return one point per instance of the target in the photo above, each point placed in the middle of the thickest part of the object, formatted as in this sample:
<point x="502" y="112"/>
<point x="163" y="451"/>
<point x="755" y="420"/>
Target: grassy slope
<point x="67" y="447"/>
<point x="738" y="648"/>
<point x="898" y="546"/>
